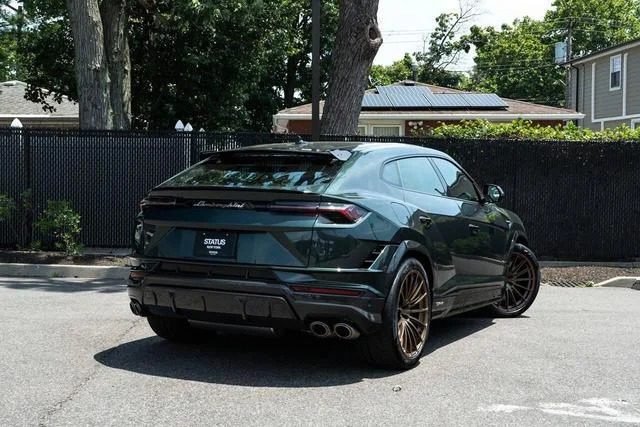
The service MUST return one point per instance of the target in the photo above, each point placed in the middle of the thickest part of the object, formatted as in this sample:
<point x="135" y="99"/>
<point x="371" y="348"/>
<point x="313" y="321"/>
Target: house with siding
<point x="400" y="108"/>
<point x="605" y="87"/>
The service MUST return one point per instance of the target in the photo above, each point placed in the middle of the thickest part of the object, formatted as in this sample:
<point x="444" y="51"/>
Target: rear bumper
<point x="258" y="303"/>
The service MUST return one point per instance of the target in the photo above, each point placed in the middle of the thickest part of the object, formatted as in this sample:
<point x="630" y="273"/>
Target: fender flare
<point x="404" y="248"/>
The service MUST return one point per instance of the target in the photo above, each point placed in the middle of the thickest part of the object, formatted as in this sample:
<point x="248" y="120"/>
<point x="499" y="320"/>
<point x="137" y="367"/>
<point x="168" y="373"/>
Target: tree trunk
<point x="92" y="73"/>
<point x="292" y="80"/>
<point x="116" y="44"/>
<point x="357" y="43"/>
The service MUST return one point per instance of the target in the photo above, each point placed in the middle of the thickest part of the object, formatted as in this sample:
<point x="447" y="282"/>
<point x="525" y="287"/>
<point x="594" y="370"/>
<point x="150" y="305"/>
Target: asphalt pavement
<point x="71" y="353"/>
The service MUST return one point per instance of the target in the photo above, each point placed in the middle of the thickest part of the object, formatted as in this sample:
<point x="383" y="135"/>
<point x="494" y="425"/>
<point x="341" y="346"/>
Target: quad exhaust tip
<point x="320" y="329"/>
<point x="345" y="331"/>
<point x="341" y="330"/>
<point x="136" y="308"/>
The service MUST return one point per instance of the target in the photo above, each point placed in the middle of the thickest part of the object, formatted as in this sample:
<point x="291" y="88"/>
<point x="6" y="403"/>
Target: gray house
<point x="605" y="87"/>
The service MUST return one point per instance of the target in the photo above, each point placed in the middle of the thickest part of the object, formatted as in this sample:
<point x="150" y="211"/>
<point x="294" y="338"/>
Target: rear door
<point x="480" y="248"/>
<point x="238" y="208"/>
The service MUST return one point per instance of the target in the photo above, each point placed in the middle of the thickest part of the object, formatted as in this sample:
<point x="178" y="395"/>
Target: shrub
<point x="524" y="129"/>
<point x="7" y="207"/>
<point x="62" y="223"/>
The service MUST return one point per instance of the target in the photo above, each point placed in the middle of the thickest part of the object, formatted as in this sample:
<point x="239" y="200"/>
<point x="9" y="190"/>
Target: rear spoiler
<point x="342" y="155"/>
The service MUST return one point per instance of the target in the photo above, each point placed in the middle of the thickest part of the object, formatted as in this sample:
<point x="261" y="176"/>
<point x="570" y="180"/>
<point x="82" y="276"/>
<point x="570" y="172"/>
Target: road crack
<point x="60" y="404"/>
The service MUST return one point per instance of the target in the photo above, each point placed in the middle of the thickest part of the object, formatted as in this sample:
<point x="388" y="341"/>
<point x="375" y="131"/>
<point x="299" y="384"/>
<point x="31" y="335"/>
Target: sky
<point x="404" y="23"/>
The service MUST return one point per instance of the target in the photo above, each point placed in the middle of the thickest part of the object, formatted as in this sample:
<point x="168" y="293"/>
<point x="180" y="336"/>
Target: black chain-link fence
<point x="579" y="200"/>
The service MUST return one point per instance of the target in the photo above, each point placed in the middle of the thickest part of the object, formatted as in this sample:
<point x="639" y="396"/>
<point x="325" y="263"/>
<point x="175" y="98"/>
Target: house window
<point x="615" y="66"/>
<point x="381" y="129"/>
<point x="385" y="130"/>
<point x="635" y="124"/>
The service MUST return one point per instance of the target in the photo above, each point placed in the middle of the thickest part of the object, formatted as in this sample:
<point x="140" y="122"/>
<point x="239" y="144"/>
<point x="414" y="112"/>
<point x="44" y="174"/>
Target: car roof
<point x="390" y="148"/>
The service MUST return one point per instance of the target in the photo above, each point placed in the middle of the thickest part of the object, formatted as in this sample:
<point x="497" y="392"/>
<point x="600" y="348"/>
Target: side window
<point x="615" y="72"/>
<point x="390" y="173"/>
<point x="458" y="184"/>
<point x="417" y="174"/>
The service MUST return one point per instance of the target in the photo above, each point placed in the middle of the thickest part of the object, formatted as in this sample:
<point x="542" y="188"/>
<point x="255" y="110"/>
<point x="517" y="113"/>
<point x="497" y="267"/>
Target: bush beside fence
<point x="578" y="200"/>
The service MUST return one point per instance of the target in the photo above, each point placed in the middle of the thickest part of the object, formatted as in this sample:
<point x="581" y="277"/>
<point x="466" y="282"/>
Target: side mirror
<point x="493" y="193"/>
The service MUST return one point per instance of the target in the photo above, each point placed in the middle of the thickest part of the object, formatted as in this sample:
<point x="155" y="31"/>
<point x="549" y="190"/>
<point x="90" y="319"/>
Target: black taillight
<point x="157" y="201"/>
<point x="341" y="214"/>
<point x="329" y="213"/>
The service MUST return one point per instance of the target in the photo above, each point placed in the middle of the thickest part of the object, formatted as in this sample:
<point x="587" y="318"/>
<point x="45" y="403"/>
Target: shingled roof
<point x="514" y="109"/>
<point x="13" y="103"/>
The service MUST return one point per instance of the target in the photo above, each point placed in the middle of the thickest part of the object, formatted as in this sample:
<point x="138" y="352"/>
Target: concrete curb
<point x="61" y="270"/>
<point x="621" y="282"/>
<point x="560" y="264"/>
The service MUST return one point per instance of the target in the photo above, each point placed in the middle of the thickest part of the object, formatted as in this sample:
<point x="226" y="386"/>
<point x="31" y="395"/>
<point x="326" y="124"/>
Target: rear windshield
<point x="290" y="171"/>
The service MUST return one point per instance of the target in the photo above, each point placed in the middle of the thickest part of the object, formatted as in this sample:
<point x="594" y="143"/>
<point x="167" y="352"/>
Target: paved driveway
<point x="72" y="354"/>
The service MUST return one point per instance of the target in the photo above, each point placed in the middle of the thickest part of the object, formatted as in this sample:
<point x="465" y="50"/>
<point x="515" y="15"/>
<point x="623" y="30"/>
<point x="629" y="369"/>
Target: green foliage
<point x="11" y="25"/>
<point x="7" y="207"/>
<point x="516" y="61"/>
<point x="444" y="49"/>
<point x="383" y="75"/>
<point x="17" y="215"/>
<point x="596" y="24"/>
<point x="218" y="65"/>
<point x="526" y="130"/>
<point x="60" y="222"/>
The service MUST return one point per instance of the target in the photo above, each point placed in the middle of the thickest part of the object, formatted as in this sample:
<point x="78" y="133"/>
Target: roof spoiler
<point x="342" y="155"/>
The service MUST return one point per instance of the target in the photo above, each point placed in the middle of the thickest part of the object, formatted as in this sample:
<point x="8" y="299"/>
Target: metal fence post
<point x="27" y="220"/>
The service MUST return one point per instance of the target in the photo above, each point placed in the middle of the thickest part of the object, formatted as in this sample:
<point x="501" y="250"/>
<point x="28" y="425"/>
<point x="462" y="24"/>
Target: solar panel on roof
<point x="484" y="100"/>
<point x="448" y="100"/>
<point x="406" y="96"/>
<point x="420" y="97"/>
<point x="373" y="100"/>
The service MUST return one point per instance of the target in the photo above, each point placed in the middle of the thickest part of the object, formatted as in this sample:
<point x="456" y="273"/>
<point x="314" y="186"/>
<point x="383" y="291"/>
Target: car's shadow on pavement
<point x="292" y="361"/>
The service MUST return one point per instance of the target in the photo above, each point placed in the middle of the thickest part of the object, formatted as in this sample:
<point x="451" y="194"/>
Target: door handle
<point x="425" y="220"/>
<point x="474" y="228"/>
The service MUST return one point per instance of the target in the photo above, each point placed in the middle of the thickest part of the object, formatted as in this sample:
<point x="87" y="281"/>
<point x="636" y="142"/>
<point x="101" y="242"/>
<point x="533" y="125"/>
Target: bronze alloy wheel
<point x="413" y="313"/>
<point x="520" y="283"/>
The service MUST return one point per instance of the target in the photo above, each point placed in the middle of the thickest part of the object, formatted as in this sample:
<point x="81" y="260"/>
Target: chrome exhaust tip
<point x="136" y="308"/>
<point x="345" y="331"/>
<point x="320" y="329"/>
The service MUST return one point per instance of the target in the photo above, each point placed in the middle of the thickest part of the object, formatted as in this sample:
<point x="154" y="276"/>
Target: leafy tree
<point x="210" y="63"/>
<point x="218" y="68"/>
<point x="11" y="30"/>
<point x="444" y="49"/>
<point x="382" y="75"/>
<point x="595" y="24"/>
<point x="517" y="60"/>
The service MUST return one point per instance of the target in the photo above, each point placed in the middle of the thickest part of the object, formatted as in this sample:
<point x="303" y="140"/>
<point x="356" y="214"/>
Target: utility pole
<point x="315" y="70"/>
<point x="570" y="39"/>
<point x="569" y="56"/>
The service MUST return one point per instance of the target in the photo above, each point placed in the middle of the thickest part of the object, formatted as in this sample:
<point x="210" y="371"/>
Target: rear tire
<point x="174" y="329"/>
<point x="405" y="320"/>
<point x="521" y="285"/>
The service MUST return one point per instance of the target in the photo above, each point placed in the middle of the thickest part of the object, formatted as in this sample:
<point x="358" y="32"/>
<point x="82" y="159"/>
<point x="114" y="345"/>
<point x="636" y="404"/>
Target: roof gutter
<point x="37" y="116"/>
<point x="454" y="116"/>
<point x="602" y="53"/>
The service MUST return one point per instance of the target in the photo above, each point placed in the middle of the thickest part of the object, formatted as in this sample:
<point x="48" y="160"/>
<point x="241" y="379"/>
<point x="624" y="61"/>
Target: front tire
<point x="405" y="320"/>
<point x="521" y="285"/>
